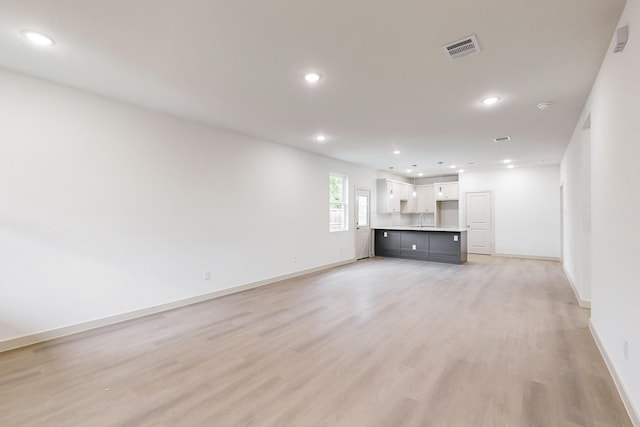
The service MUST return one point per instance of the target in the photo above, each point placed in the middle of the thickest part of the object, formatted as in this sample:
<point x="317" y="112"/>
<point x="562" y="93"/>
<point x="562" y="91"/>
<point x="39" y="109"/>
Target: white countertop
<point x="418" y="228"/>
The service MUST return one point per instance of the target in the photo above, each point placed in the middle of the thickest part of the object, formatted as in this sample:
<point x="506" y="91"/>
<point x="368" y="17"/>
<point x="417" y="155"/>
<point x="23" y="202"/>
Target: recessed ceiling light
<point x="507" y="161"/>
<point x="321" y="138"/>
<point x="420" y="174"/>
<point x="453" y="166"/>
<point x="544" y="105"/>
<point x="396" y="152"/>
<point x="461" y="171"/>
<point x="312" y="77"/>
<point x="408" y="170"/>
<point x="511" y="166"/>
<point x="490" y="100"/>
<point x="37" y="38"/>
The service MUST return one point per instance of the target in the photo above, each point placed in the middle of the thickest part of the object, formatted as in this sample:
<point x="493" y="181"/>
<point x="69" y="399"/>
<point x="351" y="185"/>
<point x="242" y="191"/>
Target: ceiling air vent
<point x="461" y="48"/>
<point x="502" y="139"/>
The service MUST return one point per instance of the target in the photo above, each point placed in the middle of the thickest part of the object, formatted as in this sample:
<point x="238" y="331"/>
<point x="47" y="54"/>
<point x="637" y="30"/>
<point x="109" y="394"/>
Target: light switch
<point x="384" y="234"/>
<point x="455" y="238"/>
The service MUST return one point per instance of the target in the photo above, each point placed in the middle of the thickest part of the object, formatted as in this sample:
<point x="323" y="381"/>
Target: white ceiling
<point x="386" y="83"/>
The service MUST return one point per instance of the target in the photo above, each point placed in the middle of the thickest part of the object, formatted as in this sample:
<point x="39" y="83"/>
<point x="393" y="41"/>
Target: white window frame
<point x="343" y="224"/>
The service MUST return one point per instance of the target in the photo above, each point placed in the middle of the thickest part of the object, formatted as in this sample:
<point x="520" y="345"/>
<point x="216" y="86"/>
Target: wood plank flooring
<point x="382" y="342"/>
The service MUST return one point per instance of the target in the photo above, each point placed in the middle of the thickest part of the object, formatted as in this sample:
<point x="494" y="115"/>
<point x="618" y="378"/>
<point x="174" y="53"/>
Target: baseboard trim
<point x="542" y="258"/>
<point x="633" y="412"/>
<point x="581" y="302"/>
<point x="27" y="340"/>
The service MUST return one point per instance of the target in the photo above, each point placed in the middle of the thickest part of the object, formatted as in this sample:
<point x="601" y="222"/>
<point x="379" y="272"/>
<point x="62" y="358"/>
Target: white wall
<point x="575" y="178"/>
<point x="614" y="106"/>
<point x="526" y="205"/>
<point x="106" y="208"/>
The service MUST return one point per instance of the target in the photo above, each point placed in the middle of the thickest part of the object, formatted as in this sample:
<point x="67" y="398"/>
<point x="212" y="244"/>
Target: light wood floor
<point x="383" y="342"/>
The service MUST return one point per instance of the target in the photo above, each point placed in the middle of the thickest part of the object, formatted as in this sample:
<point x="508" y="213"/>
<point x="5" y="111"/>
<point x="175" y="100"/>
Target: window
<point x="338" y="196"/>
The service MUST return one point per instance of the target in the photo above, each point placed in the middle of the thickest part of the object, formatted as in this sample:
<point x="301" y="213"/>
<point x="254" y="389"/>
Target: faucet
<point x="421" y="215"/>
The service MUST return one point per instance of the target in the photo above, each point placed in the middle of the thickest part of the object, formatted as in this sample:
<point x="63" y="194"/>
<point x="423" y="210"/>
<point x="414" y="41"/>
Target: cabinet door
<point x="446" y="191"/>
<point x="403" y="189"/>
<point x="394" y="197"/>
<point x="425" y="199"/>
<point x="388" y="196"/>
<point x="410" y="205"/>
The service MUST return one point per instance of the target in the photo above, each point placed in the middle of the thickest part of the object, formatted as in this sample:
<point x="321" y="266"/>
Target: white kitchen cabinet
<point x="411" y="205"/>
<point x="446" y="191"/>
<point x="405" y="191"/>
<point x="388" y="193"/>
<point x="425" y="199"/>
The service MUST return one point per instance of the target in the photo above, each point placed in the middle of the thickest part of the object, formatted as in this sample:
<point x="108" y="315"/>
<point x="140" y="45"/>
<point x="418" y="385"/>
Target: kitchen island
<point x="422" y="243"/>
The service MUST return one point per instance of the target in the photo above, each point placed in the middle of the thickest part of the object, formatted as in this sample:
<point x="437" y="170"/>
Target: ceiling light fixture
<point x="396" y="152"/>
<point x="506" y="161"/>
<point x="408" y="170"/>
<point x="321" y="138"/>
<point x="461" y="171"/>
<point x="490" y="100"/>
<point x="453" y="166"/>
<point x="510" y="166"/>
<point x="544" y="105"/>
<point x="312" y="78"/>
<point x="37" y="38"/>
<point x="420" y="174"/>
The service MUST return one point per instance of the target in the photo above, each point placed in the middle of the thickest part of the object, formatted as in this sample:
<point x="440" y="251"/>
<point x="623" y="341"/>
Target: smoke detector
<point x="461" y="48"/>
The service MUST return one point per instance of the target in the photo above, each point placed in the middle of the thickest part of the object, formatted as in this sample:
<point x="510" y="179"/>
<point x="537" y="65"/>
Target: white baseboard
<point x="633" y="412"/>
<point x="582" y="302"/>
<point x="93" y="324"/>
<point x="542" y="258"/>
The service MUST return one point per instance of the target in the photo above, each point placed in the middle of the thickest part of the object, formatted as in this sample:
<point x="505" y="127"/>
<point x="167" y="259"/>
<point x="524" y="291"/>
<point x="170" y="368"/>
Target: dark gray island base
<point x="427" y="244"/>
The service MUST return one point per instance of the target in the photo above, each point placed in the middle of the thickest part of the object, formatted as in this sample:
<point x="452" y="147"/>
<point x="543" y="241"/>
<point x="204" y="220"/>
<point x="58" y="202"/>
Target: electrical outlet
<point x="206" y="275"/>
<point x="413" y="247"/>
<point x="625" y="349"/>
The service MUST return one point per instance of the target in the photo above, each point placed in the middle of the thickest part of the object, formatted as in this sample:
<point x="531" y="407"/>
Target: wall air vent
<point x="502" y="139"/>
<point x="622" y="36"/>
<point x="461" y="48"/>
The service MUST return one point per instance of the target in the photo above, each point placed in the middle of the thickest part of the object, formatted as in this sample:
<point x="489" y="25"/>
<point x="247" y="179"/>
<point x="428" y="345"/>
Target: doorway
<point x="479" y="215"/>
<point x="363" y="223"/>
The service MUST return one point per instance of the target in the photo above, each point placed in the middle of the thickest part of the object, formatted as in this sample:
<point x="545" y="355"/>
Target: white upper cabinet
<point x="446" y="191"/>
<point x="405" y="191"/>
<point x="411" y="205"/>
<point x="388" y="196"/>
<point x="426" y="201"/>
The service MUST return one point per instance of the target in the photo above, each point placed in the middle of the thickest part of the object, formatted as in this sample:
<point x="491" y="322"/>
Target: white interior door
<point x="479" y="223"/>
<point x="363" y="227"/>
